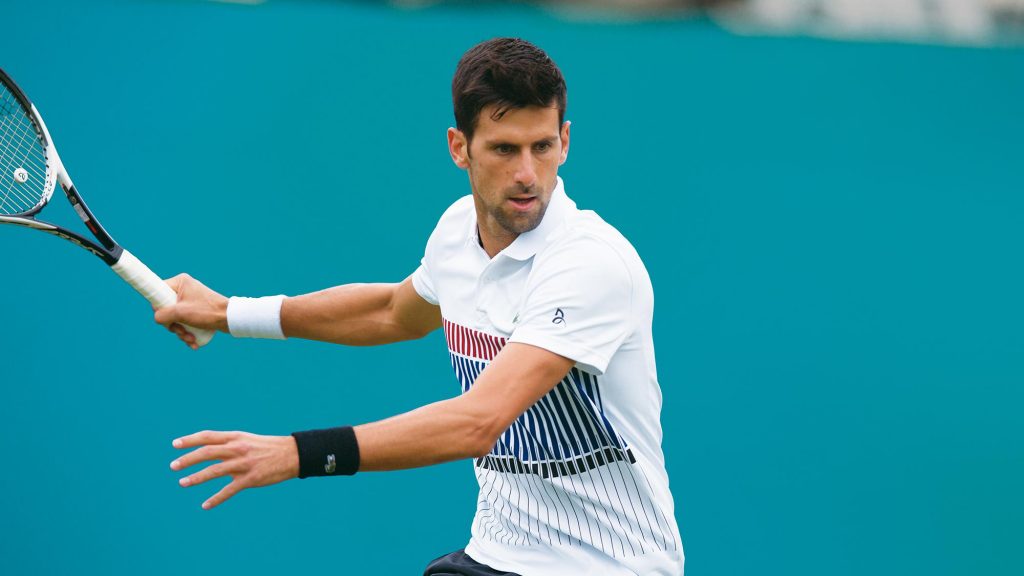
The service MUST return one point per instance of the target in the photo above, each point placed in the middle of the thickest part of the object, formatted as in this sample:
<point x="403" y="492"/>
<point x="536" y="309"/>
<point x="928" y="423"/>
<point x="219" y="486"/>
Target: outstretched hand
<point x="250" y="460"/>
<point x="197" y="306"/>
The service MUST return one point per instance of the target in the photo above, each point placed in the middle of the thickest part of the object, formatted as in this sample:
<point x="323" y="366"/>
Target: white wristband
<point x="255" y="317"/>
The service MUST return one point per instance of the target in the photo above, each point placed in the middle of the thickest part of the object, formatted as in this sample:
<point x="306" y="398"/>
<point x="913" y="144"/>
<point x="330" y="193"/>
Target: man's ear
<point x="565" y="142"/>
<point x="458" y="147"/>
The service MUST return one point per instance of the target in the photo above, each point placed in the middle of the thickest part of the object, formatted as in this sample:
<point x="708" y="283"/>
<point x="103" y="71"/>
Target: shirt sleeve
<point x="423" y="284"/>
<point x="578" y="303"/>
<point x="422" y="279"/>
<point x="425" y="279"/>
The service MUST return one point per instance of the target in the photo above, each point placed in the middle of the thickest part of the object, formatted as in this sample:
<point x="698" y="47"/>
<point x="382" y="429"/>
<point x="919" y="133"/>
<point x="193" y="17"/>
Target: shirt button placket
<point x="483" y="287"/>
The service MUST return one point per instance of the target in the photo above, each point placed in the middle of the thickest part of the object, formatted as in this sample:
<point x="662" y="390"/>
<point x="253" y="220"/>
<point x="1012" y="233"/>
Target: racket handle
<point x="159" y="294"/>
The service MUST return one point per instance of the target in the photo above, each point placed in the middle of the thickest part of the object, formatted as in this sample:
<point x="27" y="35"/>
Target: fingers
<point x="251" y="460"/>
<point x="226" y="492"/>
<point x="213" y="445"/>
<point x="204" y="454"/>
<point x="169" y="317"/>
<point x="206" y="474"/>
<point x="209" y="473"/>
<point x="203" y="438"/>
<point x="184" y="335"/>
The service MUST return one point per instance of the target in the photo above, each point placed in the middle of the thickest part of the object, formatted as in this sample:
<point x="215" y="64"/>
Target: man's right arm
<point x="360" y="314"/>
<point x="354" y="314"/>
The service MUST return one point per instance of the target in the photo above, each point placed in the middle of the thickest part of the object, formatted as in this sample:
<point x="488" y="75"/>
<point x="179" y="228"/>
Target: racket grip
<point x="154" y="289"/>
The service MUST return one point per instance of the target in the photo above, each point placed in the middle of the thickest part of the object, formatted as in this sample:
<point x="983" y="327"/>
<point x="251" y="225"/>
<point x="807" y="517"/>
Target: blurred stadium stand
<point x="954" y="21"/>
<point x="976" y="22"/>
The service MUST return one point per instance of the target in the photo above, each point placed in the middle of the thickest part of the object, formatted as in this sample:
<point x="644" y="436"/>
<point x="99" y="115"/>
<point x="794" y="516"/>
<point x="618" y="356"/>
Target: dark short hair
<point x="509" y="72"/>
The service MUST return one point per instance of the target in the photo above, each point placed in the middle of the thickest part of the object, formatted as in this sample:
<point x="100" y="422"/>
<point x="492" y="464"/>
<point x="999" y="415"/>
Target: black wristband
<point x="328" y="452"/>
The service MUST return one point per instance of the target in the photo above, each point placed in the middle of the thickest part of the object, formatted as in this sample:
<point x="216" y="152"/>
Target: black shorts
<point x="458" y="563"/>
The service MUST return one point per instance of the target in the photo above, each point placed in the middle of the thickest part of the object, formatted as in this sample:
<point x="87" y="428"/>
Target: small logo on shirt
<point x="331" y="464"/>
<point x="516" y="319"/>
<point x="559" y="317"/>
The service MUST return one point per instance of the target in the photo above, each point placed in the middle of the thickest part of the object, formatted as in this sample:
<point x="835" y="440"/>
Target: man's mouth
<point x="524" y="203"/>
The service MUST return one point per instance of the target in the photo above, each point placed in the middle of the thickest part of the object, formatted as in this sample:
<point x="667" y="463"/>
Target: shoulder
<point x="459" y="210"/>
<point x="586" y="243"/>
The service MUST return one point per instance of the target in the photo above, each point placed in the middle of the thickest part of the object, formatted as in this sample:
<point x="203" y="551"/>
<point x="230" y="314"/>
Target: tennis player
<point x="547" y="312"/>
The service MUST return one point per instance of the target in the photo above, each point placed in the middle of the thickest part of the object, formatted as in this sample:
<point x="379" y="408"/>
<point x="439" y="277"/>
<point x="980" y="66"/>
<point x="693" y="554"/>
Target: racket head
<point x="29" y="165"/>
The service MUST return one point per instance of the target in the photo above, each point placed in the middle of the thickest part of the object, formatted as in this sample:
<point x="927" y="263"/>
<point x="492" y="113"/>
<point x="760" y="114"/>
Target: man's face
<point x="513" y="165"/>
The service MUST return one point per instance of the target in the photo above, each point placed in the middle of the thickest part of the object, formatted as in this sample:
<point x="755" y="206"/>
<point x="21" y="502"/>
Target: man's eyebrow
<point x="495" y="143"/>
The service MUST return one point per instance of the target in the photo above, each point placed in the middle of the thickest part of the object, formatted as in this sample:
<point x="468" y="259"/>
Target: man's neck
<point x="494" y="243"/>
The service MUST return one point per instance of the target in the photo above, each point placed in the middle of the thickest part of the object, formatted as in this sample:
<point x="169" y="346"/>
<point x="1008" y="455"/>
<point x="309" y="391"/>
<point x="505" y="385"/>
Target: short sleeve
<point x="423" y="284"/>
<point x="578" y="303"/>
<point x="422" y="281"/>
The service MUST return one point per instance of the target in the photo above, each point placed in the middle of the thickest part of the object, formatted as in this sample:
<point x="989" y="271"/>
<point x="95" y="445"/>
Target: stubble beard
<point x="518" y="222"/>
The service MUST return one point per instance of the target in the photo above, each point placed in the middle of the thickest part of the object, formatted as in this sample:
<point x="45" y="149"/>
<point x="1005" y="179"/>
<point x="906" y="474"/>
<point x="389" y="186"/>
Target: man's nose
<point x="525" y="173"/>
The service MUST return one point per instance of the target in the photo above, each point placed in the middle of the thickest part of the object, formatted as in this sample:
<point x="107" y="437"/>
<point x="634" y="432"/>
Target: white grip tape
<point x="159" y="294"/>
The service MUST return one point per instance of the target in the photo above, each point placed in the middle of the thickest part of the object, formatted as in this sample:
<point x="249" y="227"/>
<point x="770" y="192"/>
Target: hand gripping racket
<point x="29" y="171"/>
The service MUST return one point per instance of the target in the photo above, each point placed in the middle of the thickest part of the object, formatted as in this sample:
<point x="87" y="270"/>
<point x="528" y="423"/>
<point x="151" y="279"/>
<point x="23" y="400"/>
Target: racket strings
<point x="22" y="167"/>
<point x="12" y="156"/>
<point x="22" y="170"/>
<point x="22" y="158"/>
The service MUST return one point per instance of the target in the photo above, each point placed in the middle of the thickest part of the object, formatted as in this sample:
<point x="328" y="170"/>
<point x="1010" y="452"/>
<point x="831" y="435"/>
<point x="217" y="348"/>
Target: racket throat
<point x="87" y="217"/>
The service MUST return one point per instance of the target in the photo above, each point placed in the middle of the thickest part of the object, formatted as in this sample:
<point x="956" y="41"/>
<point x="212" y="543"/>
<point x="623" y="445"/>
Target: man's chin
<point x="520" y="223"/>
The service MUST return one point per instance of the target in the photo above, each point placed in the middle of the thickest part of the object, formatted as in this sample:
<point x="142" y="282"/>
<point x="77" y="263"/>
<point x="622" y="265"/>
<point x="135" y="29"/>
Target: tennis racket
<point x="30" y="169"/>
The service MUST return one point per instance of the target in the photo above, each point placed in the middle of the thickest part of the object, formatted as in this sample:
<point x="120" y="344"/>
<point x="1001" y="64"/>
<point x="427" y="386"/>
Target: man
<point x="547" y="314"/>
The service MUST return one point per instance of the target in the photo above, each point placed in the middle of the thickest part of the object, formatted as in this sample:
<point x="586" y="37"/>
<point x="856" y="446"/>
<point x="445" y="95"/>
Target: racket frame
<point x="107" y="249"/>
<point x="121" y="261"/>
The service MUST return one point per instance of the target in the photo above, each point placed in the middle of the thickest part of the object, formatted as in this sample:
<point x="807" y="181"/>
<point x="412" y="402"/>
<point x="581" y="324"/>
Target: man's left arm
<point x="463" y="427"/>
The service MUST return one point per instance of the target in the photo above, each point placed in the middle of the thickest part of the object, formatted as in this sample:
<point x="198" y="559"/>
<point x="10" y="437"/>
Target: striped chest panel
<point x="565" y="432"/>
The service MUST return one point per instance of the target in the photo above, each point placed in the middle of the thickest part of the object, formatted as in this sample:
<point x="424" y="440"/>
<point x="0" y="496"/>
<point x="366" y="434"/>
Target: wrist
<point x="292" y="465"/>
<point x="221" y="310"/>
<point x="254" y="317"/>
<point x="327" y="452"/>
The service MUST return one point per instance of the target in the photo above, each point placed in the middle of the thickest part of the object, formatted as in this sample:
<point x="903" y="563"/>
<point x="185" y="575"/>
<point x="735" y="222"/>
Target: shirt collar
<point x="527" y="244"/>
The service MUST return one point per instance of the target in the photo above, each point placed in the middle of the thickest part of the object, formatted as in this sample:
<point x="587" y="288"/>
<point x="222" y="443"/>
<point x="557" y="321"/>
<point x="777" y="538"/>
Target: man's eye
<point x="503" y="149"/>
<point x="542" y="146"/>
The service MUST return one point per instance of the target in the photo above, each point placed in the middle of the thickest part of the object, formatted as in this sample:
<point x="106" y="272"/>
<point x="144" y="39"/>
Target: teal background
<point x="833" y="230"/>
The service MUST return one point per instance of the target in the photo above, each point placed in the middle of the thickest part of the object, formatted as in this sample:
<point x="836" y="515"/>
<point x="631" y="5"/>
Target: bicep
<point x="412" y="312"/>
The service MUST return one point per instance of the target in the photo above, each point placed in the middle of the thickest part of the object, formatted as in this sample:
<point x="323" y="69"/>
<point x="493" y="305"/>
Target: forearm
<point x="440" y="432"/>
<point x="466" y="426"/>
<point x="354" y="314"/>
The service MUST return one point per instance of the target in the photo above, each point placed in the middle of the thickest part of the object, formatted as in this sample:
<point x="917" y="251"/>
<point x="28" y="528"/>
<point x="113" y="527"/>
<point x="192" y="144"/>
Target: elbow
<point x="481" y="424"/>
<point x="417" y="332"/>
<point x="481" y="448"/>
<point x="480" y="440"/>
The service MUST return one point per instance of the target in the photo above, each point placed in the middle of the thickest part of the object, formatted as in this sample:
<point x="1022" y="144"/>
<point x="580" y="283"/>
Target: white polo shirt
<point x="577" y="484"/>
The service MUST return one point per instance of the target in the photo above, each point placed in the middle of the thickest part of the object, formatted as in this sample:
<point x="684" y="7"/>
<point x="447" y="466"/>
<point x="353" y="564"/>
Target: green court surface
<point x="834" y="231"/>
